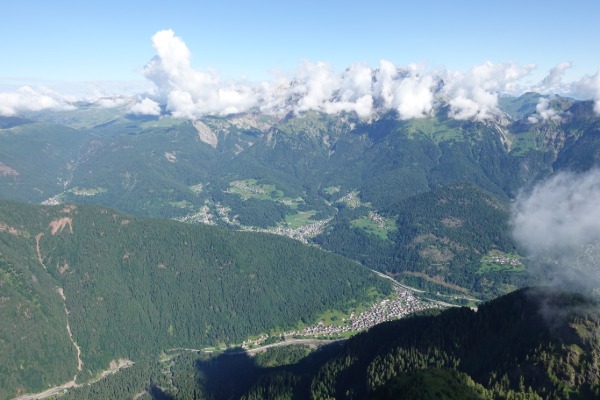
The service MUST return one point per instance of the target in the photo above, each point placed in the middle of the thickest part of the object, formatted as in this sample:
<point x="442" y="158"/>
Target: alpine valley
<point x="139" y="253"/>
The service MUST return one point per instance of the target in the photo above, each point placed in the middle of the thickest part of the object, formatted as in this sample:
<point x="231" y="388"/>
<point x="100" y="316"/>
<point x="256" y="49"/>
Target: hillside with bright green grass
<point x="134" y="287"/>
<point x="442" y="241"/>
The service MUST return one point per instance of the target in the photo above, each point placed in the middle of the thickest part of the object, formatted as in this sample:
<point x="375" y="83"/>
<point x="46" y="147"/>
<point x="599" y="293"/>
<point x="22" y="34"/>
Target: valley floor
<point x="404" y="301"/>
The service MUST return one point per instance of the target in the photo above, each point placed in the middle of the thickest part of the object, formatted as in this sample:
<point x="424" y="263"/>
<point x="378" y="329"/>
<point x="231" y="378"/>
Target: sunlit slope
<point x="134" y="287"/>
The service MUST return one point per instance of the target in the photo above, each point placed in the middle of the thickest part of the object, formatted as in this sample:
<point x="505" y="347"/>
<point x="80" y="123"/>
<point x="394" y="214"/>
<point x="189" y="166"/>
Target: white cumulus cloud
<point x="315" y="85"/>
<point x="145" y="106"/>
<point x="188" y="92"/>
<point x="27" y="99"/>
<point x="112" y="102"/>
<point x="409" y="91"/>
<point x="588" y="87"/>
<point x="552" y="83"/>
<point x="412" y="91"/>
<point x="353" y="92"/>
<point x="474" y="94"/>
<point x="414" y="97"/>
<point x="543" y="112"/>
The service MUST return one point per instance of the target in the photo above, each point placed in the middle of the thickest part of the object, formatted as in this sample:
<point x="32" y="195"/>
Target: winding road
<point x="314" y="343"/>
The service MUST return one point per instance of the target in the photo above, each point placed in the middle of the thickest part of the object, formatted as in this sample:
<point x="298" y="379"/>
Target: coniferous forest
<point x="135" y="286"/>
<point x="535" y="343"/>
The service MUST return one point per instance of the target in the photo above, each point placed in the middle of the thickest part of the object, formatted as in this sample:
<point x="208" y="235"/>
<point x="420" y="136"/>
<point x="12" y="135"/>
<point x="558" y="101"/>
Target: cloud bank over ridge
<point x="28" y="99"/>
<point x="413" y="90"/>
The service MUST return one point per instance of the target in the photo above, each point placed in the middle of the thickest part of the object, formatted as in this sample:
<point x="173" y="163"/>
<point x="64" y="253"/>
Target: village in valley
<point x="401" y="304"/>
<point x="503" y="259"/>
<point x="302" y="227"/>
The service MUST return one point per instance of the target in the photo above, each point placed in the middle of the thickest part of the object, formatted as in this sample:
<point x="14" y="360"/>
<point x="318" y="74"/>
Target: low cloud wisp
<point x="558" y="224"/>
<point x="27" y="99"/>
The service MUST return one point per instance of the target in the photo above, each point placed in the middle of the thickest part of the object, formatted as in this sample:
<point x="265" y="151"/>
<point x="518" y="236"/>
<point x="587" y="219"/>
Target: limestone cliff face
<point x="206" y="134"/>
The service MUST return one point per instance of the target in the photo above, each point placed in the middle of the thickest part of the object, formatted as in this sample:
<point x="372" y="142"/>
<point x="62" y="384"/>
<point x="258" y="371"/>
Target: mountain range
<point x="346" y="184"/>
<point x="124" y="237"/>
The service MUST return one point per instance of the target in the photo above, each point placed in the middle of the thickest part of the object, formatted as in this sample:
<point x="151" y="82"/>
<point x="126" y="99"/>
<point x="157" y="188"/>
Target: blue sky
<point x="332" y="56"/>
<point x="71" y="41"/>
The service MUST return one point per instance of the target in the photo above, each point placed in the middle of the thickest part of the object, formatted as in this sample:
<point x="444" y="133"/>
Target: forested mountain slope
<point x="535" y="343"/>
<point x="538" y="341"/>
<point x="349" y="185"/>
<point x="131" y="287"/>
<point x="442" y="239"/>
<point x="310" y="155"/>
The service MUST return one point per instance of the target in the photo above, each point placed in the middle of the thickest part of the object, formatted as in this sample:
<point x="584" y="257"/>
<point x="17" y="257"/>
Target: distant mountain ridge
<point x="309" y="176"/>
